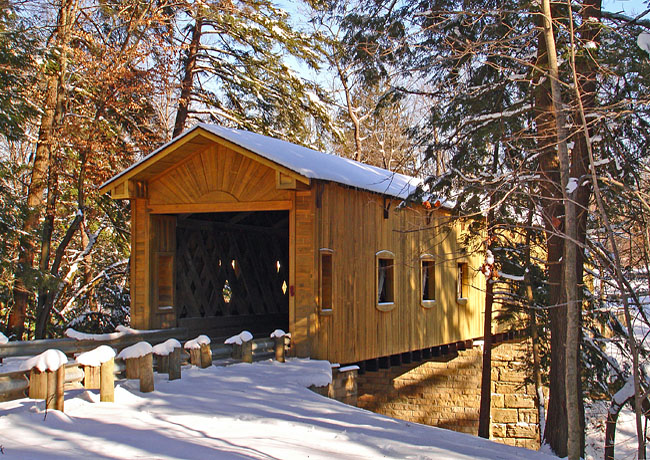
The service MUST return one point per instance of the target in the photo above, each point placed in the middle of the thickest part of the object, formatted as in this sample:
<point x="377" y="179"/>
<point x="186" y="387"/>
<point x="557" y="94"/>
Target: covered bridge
<point x="233" y="230"/>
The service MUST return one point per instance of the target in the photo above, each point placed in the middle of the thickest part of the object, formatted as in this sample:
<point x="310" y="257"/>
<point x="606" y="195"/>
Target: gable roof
<point x="308" y="163"/>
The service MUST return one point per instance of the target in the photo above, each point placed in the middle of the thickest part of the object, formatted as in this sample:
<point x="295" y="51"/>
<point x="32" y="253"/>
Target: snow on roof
<point x="49" y="360"/>
<point x="96" y="357"/>
<point x="309" y="163"/>
<point x="136" y="351"/>
<point x="197" y="342"/>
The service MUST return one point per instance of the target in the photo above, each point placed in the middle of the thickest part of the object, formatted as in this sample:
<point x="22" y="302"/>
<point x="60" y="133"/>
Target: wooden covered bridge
<point x="232" y="230"/>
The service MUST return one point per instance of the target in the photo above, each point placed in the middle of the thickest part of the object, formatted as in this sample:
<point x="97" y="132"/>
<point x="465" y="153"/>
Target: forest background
<point x="530" y="117"/>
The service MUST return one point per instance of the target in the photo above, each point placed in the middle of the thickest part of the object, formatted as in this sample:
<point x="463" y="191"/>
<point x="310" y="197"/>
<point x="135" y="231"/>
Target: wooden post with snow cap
<point x="168" y="356"/>
<point x="200" y="353"/>
<point x="278" y="337"/>
<point x="242" y="346"/>
<point x="140" y="357"/>
<point x="46" y="378"/>
<point x="99" y="365"/>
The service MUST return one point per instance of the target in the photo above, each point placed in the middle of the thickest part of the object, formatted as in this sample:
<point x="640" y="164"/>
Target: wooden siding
<point x="352" y="224"/>
<point x="215" y="175"/>
<point x="139" y="264"/>
<point x="163" y="250"/>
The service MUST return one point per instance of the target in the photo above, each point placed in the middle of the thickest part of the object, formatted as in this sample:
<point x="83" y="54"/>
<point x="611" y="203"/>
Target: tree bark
<point x="555" y="433"/>
<point x="569" y="258"/>
<point x="187" y="84"/>
<point x="486" y="370"/>
<point x="51" y="119"/>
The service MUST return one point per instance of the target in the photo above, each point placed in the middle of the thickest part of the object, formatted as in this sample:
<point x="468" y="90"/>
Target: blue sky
<point x="631" y="7"/>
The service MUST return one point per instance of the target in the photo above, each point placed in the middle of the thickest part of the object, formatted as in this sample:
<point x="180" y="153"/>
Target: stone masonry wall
<point x="446" y="393"/>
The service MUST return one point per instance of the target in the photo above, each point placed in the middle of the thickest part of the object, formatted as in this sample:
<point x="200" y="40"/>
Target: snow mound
<point x="119" y="332"/>
<point x="166" y="348"/>
<point x="243" y="336"/>
<point x="197" y="342"/>
<point x="96" y="357"/>
<point x="49" y="360"/>
<point x="126" y="330"/>
<point x="278" y="333"/>
<point x="136" y="351"/>
<point x="3" y="339"/>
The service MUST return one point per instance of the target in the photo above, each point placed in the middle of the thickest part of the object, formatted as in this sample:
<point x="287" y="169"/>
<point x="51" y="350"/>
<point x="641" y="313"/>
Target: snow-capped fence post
<point x="242" y="346"/>
<point x="279" y="339"/>
<point x="168" y="356"/>
<point x="46" y="378"/>
<point x="200" y="353"/>
<point x="98" y="366"/>
<point x="139" y="360"/>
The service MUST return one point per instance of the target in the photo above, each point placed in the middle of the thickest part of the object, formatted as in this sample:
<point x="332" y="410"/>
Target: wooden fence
<point x="15" y="385"/>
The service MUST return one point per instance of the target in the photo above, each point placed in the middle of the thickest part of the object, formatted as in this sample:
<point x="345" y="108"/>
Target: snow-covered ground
<point x="244" y="411"/>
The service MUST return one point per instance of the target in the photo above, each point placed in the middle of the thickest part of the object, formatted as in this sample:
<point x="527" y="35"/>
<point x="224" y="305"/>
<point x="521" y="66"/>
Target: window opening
<point x="385" y="278"/>
<point x="326" y="280"/>
<point x="428" y="277"/>
<point x="461" y="281"/>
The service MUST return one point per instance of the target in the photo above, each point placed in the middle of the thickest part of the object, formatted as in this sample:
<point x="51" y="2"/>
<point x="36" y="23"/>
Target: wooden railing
<point x="15" y="385"/>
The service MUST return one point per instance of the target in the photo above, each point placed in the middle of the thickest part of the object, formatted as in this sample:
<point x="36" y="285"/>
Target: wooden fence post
<point x="99" y="366"/>
<point x="247" y="351"/>
<point x="107" y="381"/>
<point x="139" y="359"/>
<point x="132" y="368"/>
<point x="206" y="355"/>
<point x="37" y="384"/>
<point x="168" y="355"/>
<point x="279" y="339"/>
<point x="200" y="354"/>
<point x="175" y="364"/>
<point x="163" y="364"/>
<point x="47" y="376"/>
<point x="146" y="373"/>
<point x="242" y="346"/>
<point x="91" y="377"/>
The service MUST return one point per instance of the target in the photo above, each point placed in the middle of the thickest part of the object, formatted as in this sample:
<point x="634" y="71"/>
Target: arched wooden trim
<point x="326" y="277"/>
<point x="389" y="277"/>
<point x="428" y="302"/>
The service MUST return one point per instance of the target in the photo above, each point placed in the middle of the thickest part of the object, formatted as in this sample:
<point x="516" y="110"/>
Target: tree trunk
<point x="486" y="371"/>
<point x="569" y="261"/>
<point x="187" y="84"/>
<point x="555" y="433"/>
<point x="51" y="119"/>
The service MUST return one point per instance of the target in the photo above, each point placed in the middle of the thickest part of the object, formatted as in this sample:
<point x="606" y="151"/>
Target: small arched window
<point x="385" y="280"/>
<point x="326" y="281"/>
<point x="427" y="280"/>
